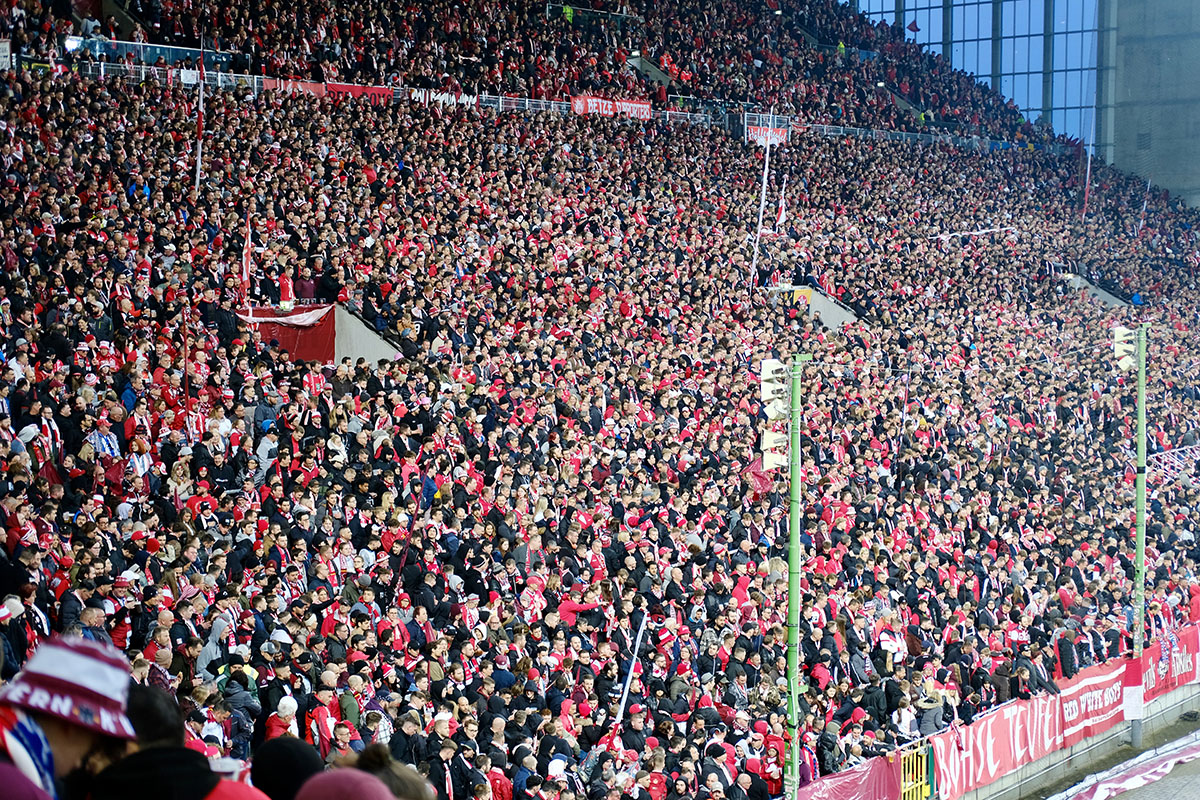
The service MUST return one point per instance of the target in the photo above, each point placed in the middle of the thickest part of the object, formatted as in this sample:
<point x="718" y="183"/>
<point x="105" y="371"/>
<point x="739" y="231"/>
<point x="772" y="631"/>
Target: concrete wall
<point x="356" y="340"/>
<point x="1073" y="761"/>
<point x="651" y="70"/>
<point x="832" y="314"/>
<point x="1155" y="94"/>
<point x="1110" y="300"/>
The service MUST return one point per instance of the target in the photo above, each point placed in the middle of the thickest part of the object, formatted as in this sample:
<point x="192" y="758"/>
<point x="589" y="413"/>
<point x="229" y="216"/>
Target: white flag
<point x="782" y="217"/>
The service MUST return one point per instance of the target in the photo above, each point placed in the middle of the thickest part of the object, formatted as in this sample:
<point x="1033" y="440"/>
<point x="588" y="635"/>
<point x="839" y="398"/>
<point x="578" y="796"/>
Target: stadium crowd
<point x="450" y="555"/>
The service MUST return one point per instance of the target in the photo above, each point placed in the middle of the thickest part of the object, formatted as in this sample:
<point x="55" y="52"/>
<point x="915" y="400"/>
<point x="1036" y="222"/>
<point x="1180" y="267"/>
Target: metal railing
<point x="979" y="143"/>
<point x="584" y="11"/>
<point x="103" y="70"/>
<point x="502" y="103"/>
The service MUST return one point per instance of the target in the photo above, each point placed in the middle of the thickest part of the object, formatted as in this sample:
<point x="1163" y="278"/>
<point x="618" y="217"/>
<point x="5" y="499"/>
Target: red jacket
<point x="276" y="727"/>
<point x="320" y="729"/>
<point x="502" y="788"/>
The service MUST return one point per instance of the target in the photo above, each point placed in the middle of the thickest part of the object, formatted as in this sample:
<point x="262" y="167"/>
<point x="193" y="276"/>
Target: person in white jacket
<point x="905" y="719"/>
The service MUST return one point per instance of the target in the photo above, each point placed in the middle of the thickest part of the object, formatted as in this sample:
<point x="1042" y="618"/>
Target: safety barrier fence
<point x="915" y="773"/>
<point x="103" y="70"/>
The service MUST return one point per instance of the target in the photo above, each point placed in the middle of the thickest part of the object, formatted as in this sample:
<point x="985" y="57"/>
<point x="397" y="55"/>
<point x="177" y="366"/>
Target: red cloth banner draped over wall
<point x="585" y="104"/>
<point x="376" y="95"/>
<point x="1162" y="674"/>
<point x="761" y="135"/>
<point x="303" y="87"/>
<point x="1003" y="741"/>
<point x="877" y="779"/>
<point x="1092" y="702"/>
<point x="308" y="332"/>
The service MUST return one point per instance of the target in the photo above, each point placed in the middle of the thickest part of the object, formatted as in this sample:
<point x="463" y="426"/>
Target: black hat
<point x="282" y="765"/>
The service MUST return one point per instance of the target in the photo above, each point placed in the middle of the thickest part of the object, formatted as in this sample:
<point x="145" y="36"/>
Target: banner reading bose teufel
<point x="586" y="104"/>
<point x="1007" y="739"/>
<point x="1091" y="703"/>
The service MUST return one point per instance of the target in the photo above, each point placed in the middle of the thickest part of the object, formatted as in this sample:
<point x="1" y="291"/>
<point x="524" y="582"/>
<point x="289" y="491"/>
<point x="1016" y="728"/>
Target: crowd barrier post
<point x="915" y="770"/>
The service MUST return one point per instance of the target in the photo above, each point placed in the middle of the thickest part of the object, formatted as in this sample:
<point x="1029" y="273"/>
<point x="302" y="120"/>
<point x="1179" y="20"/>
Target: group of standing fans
<point x="439" y="573"/>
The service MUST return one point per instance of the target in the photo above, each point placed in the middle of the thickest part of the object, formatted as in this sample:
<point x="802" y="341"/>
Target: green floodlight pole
<point x="1139" y="574"/>
<point x="795" y="481"/>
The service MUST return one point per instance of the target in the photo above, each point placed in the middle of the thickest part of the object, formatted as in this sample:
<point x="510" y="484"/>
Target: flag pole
<point x="1087" y="180"/>
<point x="1145" y="202"/>
<point x="200" y="120"/>
<point x="637" y="647"/>
<point x="781" y="217"/>
<point x="762" y="202"/>
<point x="247" y="250"/>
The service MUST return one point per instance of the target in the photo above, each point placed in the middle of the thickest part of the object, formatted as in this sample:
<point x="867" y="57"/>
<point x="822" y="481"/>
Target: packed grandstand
<point x="452" y="553"/>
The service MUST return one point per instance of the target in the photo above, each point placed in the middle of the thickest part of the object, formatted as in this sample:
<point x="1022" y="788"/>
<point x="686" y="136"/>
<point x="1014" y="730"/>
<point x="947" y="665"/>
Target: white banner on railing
<point x="427" y="96"/>
<point x="6" y="54"/>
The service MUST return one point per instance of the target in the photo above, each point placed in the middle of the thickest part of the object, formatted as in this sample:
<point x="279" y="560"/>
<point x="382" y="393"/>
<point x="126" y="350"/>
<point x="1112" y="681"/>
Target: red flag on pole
<point x="912" y="26"/>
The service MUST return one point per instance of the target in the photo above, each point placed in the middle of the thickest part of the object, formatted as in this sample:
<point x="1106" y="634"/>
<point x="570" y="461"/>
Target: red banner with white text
<point x="1092" y="702"/>
<point x="1014" y="735"/>
<point x="1022" y="732"/>
<point x="1170" y="662"/>
<point x="376" y="95"/>
<point x="762" y="135"/>
<point x="294" y="87"/>
<point x="586" y="104"/>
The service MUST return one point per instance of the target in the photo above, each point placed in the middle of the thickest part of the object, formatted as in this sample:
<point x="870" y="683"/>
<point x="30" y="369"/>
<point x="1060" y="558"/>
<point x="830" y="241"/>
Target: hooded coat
<point x="177" y="773"/>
